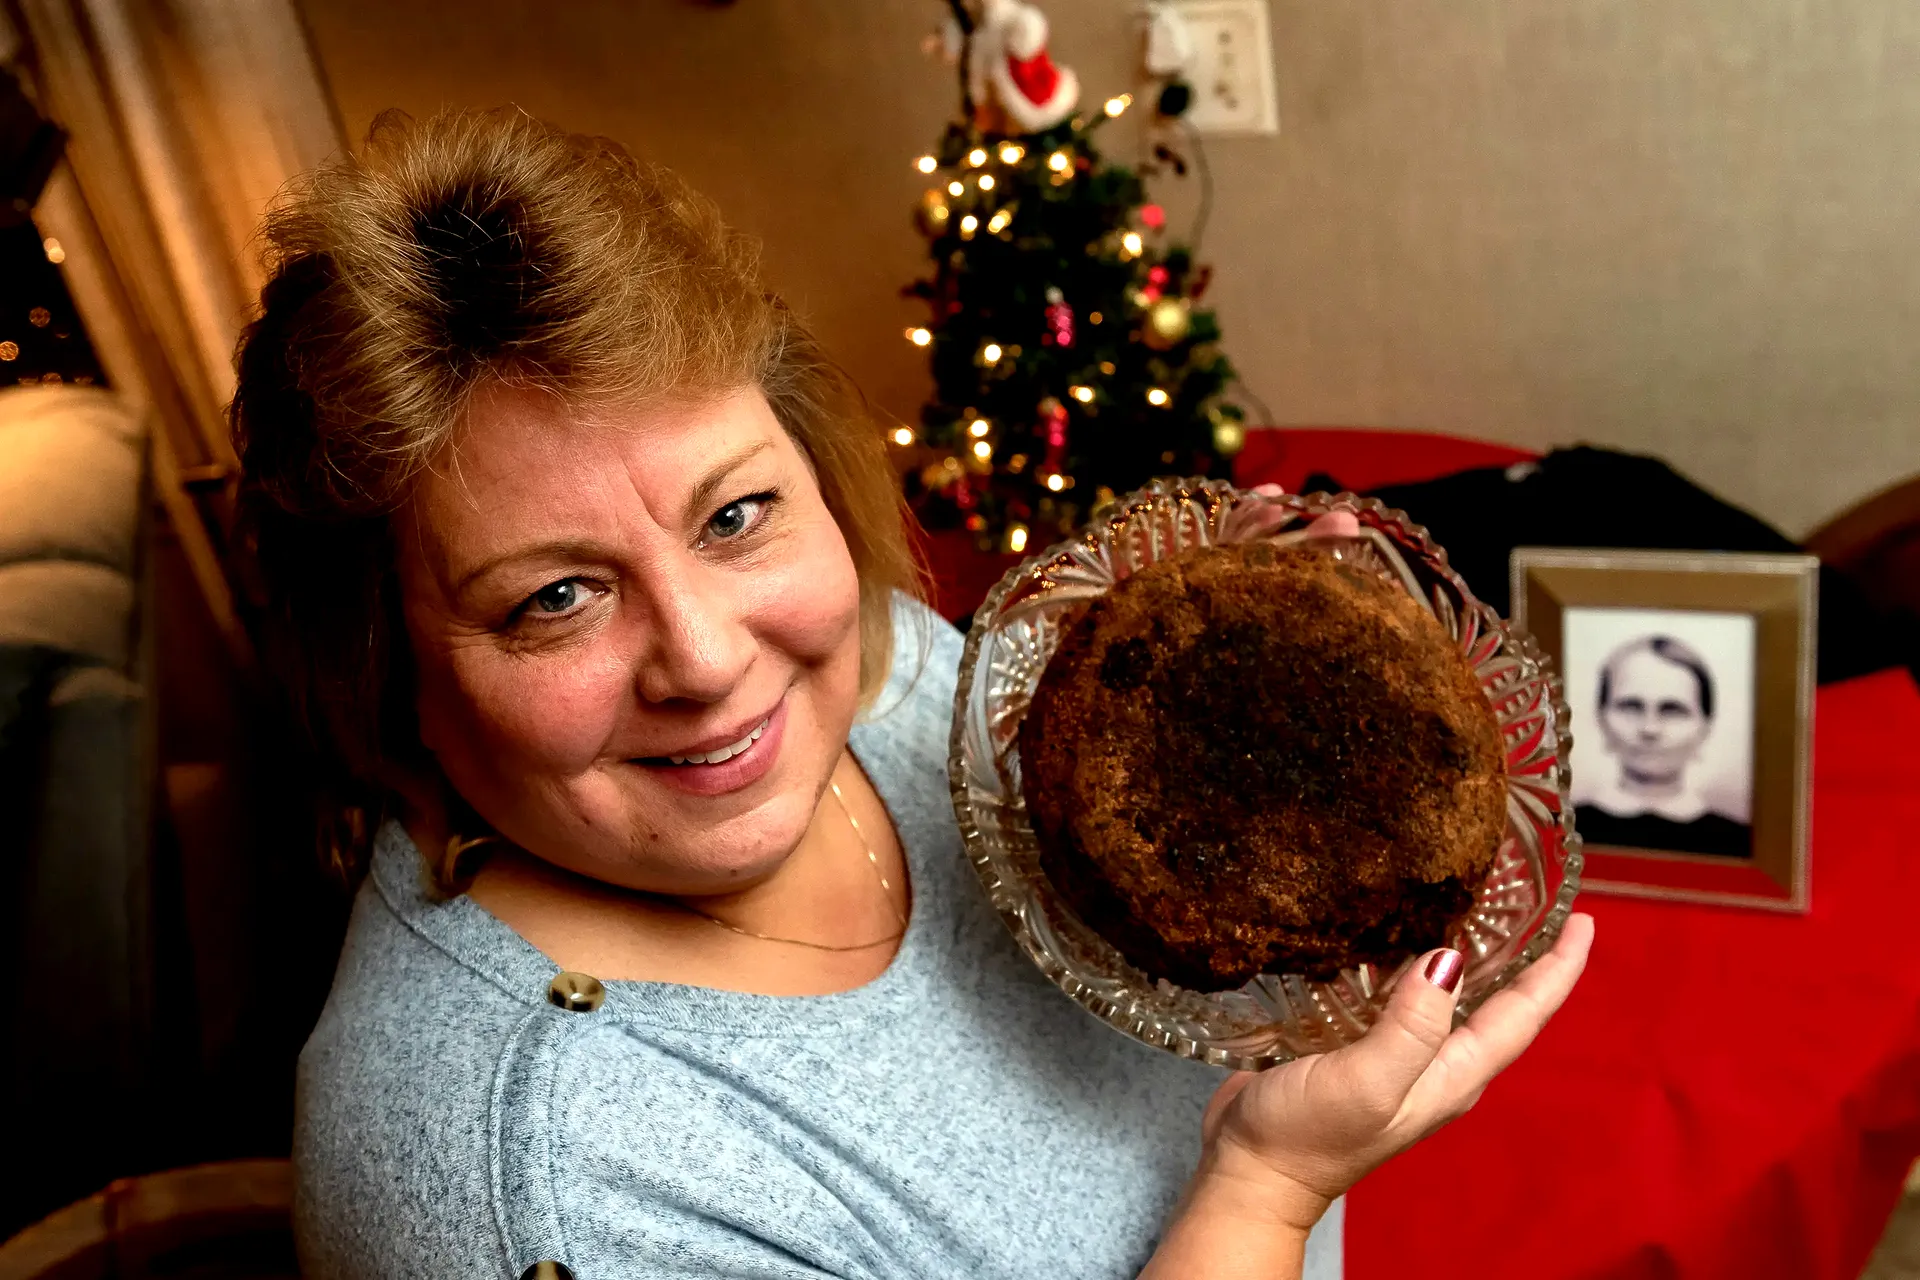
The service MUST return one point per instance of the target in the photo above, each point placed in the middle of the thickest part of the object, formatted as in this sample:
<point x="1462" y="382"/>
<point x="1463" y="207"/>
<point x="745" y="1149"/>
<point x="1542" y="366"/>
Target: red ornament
<point x="1059" y="320"/>
<point x="1153" y="216"/>
<point x="1201" y="279"/>
<point x="1054" y="432"/>
<point x="1056" y="416"/>
<point x="1060" y="324"/>
<point x="1156" y="285"/>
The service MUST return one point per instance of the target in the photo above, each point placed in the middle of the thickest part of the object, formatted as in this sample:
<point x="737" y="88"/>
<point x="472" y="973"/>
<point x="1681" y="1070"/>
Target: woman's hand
<point x="1314" y="1127"/>
<point x="1259" y="519"/>
<point x="1280" y="1145"/>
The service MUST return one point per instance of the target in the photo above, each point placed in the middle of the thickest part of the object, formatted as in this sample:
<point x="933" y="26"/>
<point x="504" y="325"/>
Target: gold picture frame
<point x="1689" y="664"/>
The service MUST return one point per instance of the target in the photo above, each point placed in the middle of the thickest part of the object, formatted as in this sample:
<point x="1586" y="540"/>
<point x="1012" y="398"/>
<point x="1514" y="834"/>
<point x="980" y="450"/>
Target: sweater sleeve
<point x="682" y="1176"/>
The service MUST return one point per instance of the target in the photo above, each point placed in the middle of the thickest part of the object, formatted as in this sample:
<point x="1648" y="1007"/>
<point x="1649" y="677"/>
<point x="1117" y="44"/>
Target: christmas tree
<point x="1070" y="360"/>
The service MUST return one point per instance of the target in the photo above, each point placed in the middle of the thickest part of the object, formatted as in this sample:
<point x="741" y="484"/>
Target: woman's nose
<point x="698" y="644"/>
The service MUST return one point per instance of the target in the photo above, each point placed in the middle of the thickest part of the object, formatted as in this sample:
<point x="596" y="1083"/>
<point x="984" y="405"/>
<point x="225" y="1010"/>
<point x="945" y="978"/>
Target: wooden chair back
<point x="230" y="1221"/>
<point x="1877" y="543"/>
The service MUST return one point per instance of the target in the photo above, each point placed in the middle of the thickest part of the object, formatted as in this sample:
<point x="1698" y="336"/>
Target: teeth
<point x="723" y="753"/>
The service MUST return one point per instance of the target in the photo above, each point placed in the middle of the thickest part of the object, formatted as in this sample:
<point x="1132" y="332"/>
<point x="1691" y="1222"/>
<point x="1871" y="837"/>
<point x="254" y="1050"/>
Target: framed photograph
<point x="1690" y="679"/>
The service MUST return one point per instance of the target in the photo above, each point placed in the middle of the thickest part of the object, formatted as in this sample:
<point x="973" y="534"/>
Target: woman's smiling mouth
<point x="724" y="753"/>
<point x="726" y="767"/>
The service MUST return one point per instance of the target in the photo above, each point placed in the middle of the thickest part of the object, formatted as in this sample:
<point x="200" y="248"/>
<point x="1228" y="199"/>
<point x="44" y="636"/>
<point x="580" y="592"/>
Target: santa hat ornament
<point x="1011" y="65"/>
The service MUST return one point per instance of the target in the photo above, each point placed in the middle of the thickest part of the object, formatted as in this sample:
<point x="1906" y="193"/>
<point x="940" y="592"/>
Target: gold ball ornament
<point x="1228" y="436"/>
<point x="932" y="213"/>
<point x="1168" y="322"/>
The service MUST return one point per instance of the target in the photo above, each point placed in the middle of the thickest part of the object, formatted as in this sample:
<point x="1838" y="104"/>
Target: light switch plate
<point x="1232" y="69"/>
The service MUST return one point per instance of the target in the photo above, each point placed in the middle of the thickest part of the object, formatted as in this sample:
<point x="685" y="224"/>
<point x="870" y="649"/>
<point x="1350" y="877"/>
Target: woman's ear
<point x="426" y="808"/>
<point x="442" y="825"/>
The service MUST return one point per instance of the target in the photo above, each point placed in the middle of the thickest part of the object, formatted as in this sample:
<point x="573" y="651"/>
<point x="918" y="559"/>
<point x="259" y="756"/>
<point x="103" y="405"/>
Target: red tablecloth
<point x="1361" y="458"/>
<point x="1727" y="1094"/>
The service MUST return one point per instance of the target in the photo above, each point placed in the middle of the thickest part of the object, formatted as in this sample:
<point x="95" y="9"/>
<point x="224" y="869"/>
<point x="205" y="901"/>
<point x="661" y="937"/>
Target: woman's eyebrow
<point x="703" y="492"/>
<point x="562" y="549"/>
<point x="577" y="549"/>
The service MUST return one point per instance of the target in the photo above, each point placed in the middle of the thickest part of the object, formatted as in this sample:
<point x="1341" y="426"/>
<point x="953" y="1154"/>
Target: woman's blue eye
<point x="557" y="597"/>
<point x="734" y="519"/>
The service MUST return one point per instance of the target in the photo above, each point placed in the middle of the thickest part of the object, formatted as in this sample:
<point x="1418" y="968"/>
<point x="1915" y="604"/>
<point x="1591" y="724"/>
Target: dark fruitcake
<point x="1262" y="759"/>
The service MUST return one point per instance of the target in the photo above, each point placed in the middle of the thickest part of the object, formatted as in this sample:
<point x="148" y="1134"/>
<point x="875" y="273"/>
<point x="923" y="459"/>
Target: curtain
<point x="184" y="118"/>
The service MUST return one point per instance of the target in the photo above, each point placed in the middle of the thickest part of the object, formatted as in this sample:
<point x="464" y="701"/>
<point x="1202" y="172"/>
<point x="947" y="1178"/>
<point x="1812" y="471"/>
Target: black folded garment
<point x="1586" y="497"/>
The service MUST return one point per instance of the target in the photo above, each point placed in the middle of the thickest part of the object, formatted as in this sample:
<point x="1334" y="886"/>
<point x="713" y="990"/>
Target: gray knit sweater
<point x="956" y="1117"/>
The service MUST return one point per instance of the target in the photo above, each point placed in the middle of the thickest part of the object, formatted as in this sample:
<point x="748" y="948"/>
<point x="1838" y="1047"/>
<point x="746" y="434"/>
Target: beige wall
<point x="1681" y="226"/>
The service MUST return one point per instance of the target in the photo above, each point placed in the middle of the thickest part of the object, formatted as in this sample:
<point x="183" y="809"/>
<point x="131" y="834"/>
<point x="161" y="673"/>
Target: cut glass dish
<point x="1274" y="1018"/>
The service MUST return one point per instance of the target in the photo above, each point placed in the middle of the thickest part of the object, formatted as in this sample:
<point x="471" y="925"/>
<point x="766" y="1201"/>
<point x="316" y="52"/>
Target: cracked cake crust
<point x="1262" y="759"/>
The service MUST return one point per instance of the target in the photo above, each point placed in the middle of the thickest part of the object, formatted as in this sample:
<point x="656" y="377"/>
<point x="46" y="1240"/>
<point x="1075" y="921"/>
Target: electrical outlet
<point x="1231" y="71"/>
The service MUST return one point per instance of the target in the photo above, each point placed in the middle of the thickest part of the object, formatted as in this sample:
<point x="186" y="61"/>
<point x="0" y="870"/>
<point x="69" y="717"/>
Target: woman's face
<point x="1653" y="719"/>
<point x="637" y="634"/>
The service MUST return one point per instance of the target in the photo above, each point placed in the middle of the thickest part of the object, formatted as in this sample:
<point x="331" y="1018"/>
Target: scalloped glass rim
<point x="1274" y="1018"/>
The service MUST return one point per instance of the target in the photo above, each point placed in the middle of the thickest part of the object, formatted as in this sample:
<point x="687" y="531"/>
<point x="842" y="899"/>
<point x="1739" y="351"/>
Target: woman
<point x="583" y="563"/>
<point x="1655" y="710"/>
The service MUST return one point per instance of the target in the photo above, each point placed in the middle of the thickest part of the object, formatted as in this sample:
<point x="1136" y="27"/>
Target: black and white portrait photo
<point x="1663" y="705"/>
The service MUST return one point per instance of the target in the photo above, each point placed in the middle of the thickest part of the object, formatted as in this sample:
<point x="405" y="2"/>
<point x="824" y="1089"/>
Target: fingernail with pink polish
<point x="1444" y="970"/>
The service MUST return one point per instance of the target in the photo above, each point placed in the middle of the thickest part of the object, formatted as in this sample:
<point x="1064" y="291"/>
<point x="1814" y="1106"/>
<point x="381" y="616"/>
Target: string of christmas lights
<point x="41" y="339"/>
<point x="1070" y="358"/>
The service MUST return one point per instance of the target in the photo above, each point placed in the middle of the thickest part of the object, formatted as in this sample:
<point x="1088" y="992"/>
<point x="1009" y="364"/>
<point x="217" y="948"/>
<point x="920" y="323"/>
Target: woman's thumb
<point x="1402" y="1044"/>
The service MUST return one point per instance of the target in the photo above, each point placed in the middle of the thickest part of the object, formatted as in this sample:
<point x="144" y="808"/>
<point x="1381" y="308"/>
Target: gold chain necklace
<point x="872" y="860"/>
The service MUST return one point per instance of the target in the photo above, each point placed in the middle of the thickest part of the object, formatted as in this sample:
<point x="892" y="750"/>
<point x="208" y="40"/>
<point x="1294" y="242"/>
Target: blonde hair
<point x="464" y="249"/>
